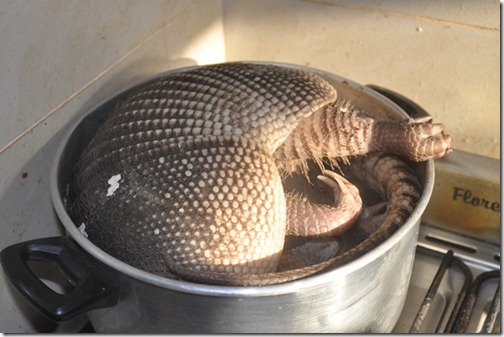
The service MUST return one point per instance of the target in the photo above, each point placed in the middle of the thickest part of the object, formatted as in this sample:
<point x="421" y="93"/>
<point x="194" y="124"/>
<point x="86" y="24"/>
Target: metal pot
<point x="365" y="295"/>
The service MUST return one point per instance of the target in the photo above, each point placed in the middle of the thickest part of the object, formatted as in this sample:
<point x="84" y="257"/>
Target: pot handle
<point x="413" y="110"/>
<point x="94" y="287"/>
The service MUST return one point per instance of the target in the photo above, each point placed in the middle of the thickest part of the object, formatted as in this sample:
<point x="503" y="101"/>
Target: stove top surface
<point x="455" y="285"/>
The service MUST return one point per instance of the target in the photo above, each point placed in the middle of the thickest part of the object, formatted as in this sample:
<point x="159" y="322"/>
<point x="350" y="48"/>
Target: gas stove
<point x="455" y="284"/>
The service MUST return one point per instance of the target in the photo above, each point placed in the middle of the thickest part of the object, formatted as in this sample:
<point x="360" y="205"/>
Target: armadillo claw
<point x="338" y="184"/>
<point x="347" y="203"/>
<point x="305" y="218"/>
<point x="343" y="190"/>
<point x="421" y="119"/>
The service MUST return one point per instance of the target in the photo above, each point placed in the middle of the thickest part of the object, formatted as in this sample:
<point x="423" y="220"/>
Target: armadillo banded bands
<point x="183" y="176"/>
<point x="199" y="184"/>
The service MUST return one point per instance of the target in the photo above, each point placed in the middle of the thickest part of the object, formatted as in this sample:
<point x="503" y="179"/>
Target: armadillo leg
<point x="339" y="131"/>
<point x="334" y="131"/>
<point x="310" y="219"/>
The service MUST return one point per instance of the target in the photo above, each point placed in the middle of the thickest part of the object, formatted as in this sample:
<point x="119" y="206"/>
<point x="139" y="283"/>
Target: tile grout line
<point x="406" y="15"/>
<point x="75" y="94"/>
<point x="87" y="85"/>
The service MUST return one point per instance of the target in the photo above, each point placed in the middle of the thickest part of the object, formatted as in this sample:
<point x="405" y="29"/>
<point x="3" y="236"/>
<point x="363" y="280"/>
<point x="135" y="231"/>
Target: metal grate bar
<point x="426" y="304"/>
<point x="468" y="278"/>
<point x="448" y="261"/>
<point x="492" y="314"/>
<point x="467" y="309"/>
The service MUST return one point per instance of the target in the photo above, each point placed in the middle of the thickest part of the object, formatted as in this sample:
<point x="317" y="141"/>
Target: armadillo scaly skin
<point x="339" y="130"/>
<point x="183" y="178"/>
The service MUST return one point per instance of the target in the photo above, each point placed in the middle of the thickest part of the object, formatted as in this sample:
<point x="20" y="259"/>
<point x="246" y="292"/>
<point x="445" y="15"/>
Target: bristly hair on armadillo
<point x="344" y="106"/>
<point x="330" y="136"/>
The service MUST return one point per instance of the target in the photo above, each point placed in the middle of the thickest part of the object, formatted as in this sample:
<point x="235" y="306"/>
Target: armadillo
<point x="184" y="178"/>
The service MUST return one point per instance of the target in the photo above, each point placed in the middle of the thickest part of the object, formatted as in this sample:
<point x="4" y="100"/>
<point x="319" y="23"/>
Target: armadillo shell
<point x="182" y="171"/>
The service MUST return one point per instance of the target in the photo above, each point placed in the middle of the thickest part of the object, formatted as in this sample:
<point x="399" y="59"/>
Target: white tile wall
<point x="59" y="58"/>
<point x="481" y="13"/>
<point x="445" y="55"/>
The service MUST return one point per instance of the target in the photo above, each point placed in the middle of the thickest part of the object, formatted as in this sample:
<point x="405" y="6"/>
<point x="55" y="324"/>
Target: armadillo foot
<point x="415" y="141"/>
<point x="432" y="141"/>
<point x="305" y="218"/>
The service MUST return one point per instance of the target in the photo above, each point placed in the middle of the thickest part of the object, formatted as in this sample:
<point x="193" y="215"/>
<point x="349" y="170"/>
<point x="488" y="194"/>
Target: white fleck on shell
<point x="82" y="229"/>
<point x="114" y="184"/>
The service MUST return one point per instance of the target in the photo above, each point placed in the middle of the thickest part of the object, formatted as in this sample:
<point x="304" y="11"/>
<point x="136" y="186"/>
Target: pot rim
<point x="235" y="291"/>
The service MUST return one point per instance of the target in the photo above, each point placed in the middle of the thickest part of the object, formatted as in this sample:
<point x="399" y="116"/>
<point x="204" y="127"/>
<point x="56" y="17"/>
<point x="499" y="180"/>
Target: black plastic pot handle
<point x="411" y="108"/>
<point x="94" y="287"/>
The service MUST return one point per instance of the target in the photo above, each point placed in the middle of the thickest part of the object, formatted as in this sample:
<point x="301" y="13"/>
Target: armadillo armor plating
<point x="184" y="177"/>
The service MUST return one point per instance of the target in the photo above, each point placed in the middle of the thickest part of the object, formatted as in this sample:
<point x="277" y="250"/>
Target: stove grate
<point x="448" y="261"/>
<point x="470" y="301"/>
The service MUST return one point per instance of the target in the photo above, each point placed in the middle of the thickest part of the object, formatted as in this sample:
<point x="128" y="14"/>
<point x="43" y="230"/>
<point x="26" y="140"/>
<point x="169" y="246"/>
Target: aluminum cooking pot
<point x="365" y="295"/>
